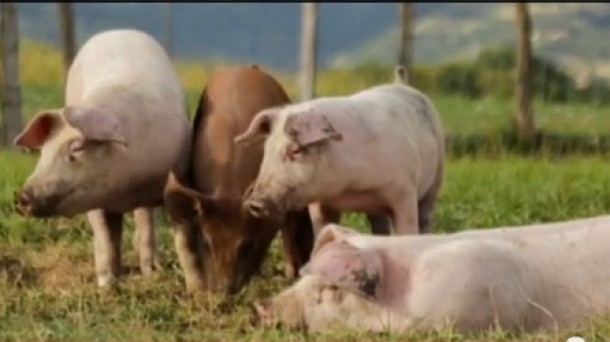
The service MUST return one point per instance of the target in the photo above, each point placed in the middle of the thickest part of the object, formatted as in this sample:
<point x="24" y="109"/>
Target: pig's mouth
<point x="262" y="208"/>
<point x="258" y="206"/>
<point x="266" y="207"/>
<point x="264" y="315"/>
<point x="26" y="204"/>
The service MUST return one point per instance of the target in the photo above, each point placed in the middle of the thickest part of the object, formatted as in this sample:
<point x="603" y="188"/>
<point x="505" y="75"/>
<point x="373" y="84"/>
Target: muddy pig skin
<point x="108" y="151"/>
<point x="379" y="151"/>
<point x="531" y="278"/>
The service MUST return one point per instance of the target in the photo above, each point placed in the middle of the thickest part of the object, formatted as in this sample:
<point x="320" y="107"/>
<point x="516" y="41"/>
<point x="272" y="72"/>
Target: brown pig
<point x="226" y="244"/>
<point x="109" y="149"/>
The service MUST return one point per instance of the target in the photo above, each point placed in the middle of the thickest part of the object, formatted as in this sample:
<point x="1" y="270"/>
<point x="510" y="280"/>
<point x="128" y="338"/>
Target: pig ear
<point x="309" y="128"/>
<point x="349" y="267"/>
<point x="38" y="129"/>
<point x="331" y="233"/>
<point x="182" y="203"/>
<point x="259" y="126"/>
<point x="96" y="124"/>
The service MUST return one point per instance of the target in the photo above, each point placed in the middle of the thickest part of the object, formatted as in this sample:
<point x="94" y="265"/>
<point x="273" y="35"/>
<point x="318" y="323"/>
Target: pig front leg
<point x="380" y="224"/>
<point x="322" y="215"/>
<point x="144" y="239"/>
<point x="297" y="241"/>
<point x="107" y="234"/>
<point x="405" y="214"/>
<point x="189" y="246"/>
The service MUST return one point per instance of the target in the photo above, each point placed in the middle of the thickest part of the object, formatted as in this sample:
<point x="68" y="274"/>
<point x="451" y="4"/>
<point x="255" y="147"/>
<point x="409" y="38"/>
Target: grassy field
<point x="47" y="283"/>
<point x="41" y="75"/>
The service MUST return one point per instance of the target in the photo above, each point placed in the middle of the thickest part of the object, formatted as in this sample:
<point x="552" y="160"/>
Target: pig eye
<point x="335" y="293"/>
<point x="75" y="148"/>
<point x="295" y="151"/>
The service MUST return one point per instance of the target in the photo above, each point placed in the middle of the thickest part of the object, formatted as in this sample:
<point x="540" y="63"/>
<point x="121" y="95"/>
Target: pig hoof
<point x="195" y="286"/>
<point x="147" y="270"/>
<point x="106" y="280"/>
<point x="148" y="266"/>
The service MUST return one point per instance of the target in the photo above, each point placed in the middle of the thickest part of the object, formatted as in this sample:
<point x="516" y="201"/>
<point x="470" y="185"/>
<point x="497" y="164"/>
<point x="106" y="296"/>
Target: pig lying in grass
<point x="529" y="278"/>
<point x="379" y="151"/>
<point x="110" y="148"/>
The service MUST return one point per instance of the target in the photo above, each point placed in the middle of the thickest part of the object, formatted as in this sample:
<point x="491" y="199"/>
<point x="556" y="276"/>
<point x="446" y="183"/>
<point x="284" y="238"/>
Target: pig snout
<point x="258" y="206"/>
<point x="262" y="314"/>
<point x="22" y="202"/>
<point x="273" y="315"/>
<point x="28" y="202"/>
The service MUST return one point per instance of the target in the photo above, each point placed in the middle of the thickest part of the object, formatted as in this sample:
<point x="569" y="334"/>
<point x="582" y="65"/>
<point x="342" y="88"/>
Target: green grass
<point x="41" y="74"/>
<point x="47" y="282"/>
<point x="461" y="116"/>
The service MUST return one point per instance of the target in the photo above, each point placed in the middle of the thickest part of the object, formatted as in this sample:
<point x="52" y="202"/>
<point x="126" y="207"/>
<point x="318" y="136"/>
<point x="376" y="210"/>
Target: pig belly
<point x="366" y="201"/>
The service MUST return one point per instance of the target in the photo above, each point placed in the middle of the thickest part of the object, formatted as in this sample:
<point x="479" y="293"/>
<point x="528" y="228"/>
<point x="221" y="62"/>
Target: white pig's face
<point x="296" y="167"/>
<point x="74" y="166"/>
<point x="314" y="304"/>
<point x="340" y="286"/>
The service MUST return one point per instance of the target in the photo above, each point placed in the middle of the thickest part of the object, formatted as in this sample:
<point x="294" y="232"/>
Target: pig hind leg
<point x="297" y="240"/>
<point x="405" y="214"/>
<point x="380" y="224"/>
<point x="144" y="239"/>
<point x="322" y="215"/>
<point x="107" y="234"/>
<point x="426" y="205"/>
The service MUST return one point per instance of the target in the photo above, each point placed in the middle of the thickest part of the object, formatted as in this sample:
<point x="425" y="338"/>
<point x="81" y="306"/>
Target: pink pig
<point x="380" y="151"/>
<point x="537" y="278"/>
<point x="109" y="149"/>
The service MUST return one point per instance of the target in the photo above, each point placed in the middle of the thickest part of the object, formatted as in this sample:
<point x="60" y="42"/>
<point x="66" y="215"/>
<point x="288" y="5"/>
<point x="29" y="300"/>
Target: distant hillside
<point x="265" y="33"/>
<point x="573" y="34"/>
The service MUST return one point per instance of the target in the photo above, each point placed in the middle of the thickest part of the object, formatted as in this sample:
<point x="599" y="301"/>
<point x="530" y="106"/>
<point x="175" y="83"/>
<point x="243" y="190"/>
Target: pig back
<point x="127" y="58"/>
<point x="227" y="105"/>
<point x="128" y="73"/>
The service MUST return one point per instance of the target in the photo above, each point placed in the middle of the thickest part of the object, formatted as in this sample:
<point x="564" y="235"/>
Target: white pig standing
<point x="380" y="151"/>
<point x="109" y="149"/>
<point x="540" y="277"/>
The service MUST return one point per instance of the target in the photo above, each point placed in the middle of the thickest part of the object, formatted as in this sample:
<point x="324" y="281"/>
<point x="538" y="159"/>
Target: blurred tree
<point x="405" y="49"/>
<point x="523" y="87"/>
<point x="66" y="26"/>
<point x="309" y="23"/>
<point x="11" y="93"/>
